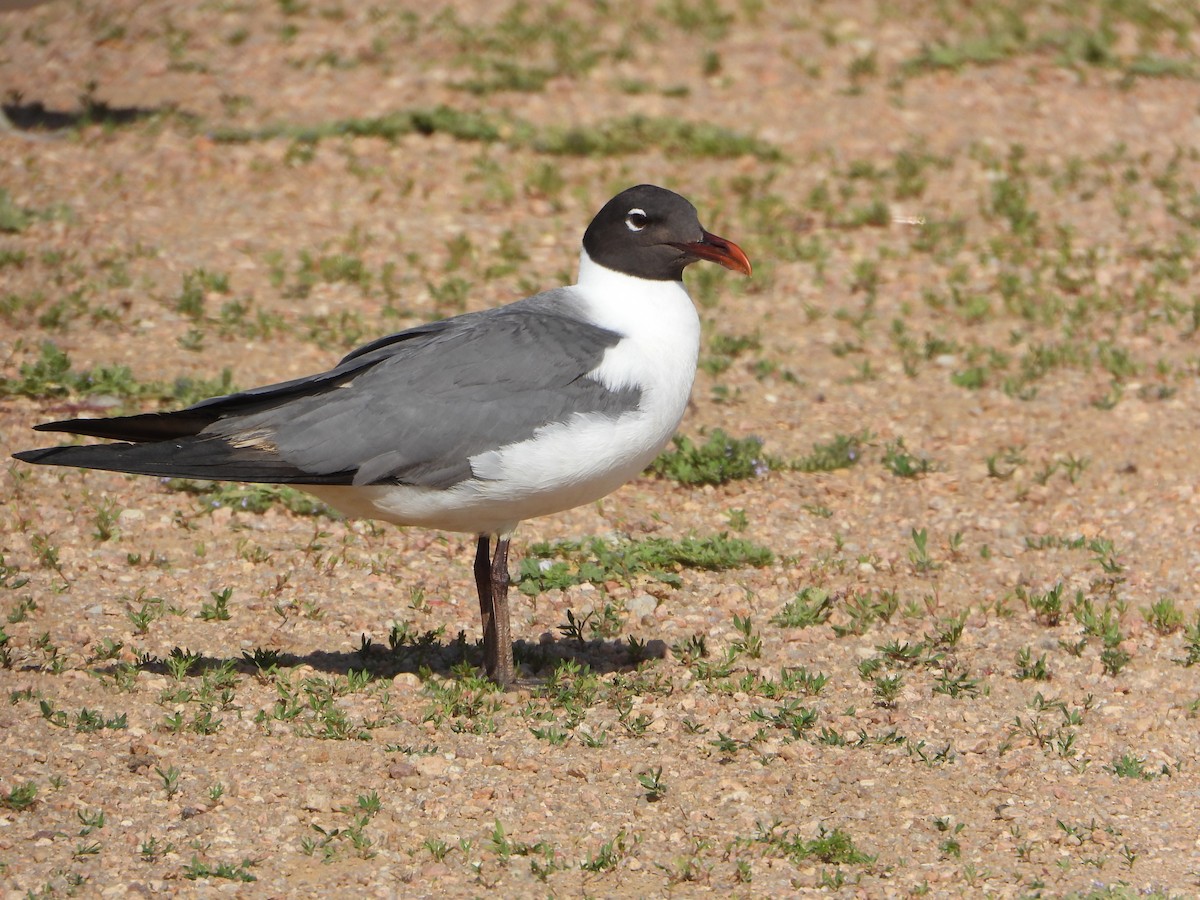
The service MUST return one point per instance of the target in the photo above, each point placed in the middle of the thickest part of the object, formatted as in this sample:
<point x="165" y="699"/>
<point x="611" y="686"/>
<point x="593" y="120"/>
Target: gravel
<point x="422" y="783"/>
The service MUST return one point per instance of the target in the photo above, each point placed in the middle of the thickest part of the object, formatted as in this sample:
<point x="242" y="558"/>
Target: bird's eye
<point x="636" y="219"/>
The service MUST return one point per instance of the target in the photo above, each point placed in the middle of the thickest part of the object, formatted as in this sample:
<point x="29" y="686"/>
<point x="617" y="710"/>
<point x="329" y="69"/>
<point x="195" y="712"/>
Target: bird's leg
<point x="487" y="608"/>
<point x="500" y="662"/>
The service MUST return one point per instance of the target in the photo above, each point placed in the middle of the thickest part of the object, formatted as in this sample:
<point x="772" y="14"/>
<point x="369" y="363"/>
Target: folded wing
<point x="411" y="408"/>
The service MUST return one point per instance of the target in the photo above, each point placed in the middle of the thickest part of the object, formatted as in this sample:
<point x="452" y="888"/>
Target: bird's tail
<point x="136" y="429"/>
<point x="172" y="445"/>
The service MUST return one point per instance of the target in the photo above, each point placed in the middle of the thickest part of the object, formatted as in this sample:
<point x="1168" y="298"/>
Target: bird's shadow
<point x="36" y="116"/>
<point x="447" y="659"/>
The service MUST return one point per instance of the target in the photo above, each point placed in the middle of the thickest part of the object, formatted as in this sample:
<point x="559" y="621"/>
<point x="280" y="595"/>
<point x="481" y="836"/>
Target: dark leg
<point x="487" y="608"/>
<point x="502" y="672"/>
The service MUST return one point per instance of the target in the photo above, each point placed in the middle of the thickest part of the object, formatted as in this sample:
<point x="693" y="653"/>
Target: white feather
<point x="578" y="461"/>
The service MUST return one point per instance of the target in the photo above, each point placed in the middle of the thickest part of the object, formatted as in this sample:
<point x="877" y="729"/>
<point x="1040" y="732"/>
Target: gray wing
<point x="431" y="401"/>
<point x="411" y="408"/>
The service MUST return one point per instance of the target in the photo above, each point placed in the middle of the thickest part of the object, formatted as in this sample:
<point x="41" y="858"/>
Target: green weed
<point x="842" y="452"/>
<point x="52" y="375"/>
<point x="903" y="464"/>
<point x="566" y="563"/>
<point x="1129" y="766"/>
<point x="253" y="498"/>
<point x="718" y="460"/>
<point x="811" y="606"/>
<point x="20" y="797"/>
<point x="830" y="846"/>
<point x="1029" y="669"/>
<point x="614" y="137"/>
<point x="652" y="781"/>
<point x="240" y="872"/>
<point x="1191" y="637"/>
<point x="1164" y="616"/>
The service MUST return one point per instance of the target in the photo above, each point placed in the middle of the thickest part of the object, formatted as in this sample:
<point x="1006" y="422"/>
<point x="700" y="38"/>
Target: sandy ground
<point x="995" y="264"/>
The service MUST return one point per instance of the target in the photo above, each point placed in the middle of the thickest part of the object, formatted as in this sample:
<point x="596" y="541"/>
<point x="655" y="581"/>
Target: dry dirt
<point x="1025" y="784"/>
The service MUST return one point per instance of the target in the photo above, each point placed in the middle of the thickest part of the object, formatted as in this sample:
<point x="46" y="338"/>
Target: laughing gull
<point x="474" y="423"/>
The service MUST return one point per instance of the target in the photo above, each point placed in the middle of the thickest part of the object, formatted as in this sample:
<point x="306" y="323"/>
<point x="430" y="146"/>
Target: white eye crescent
<point x="636" y="219"/>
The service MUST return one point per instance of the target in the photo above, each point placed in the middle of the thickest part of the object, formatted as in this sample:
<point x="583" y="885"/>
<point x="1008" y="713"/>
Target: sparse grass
<point x="198" y="284"/>
<point x="440" y="119"/>
<point x="636" y="133"/>
<point x="790" y="716"/>
<point x="1100" y="623"/>
<point x="842" y="452"/>
<point x="1113" y="660"/>
<point x="750" y="643"/>
<point x="13" y="218"/>
<point x="1011" y="309"/>
<point x="240" y="872"/>
<point x="1047" y="607"/>
<point x="1073" y="35"/>
<point x="948" y="631"/>
<point x="106" y="519"/>
<point x="1164" y="616"/>
<point x="601" y="624"/>
<point x="333" y="268"/>
<point x="811" y="606"/>
<point x="903" y="464"/>
<point x="652" y="781"/>
<point x="1191" y="637"/>
<point x="723" y="349"/>
<point x="468" y="702"/>
<point x="609" y="854"/>
<point x="956" y="685"/>
<point x="147" y="612"/>
<point x="919" y="555"/>
<point x="886" y="690"/>
<point x="830" y="846"/>
<point x="85" y="721"/>
<point x="24" y="606"/>
<point x="614" y="137"/>
<point x="218" y="610"/>
<point x="801" y="679"/>
<point x="718" y="460"/>
<point x="20" y="797"/>
<point x="181" y="662"/>
<point x="169" y="778"/>
<point x="1029" y="669"/>
<point x="263" y="660"/>
<point x="566" y="563"/>
<point x="1130" y="766"/>
<point x="865" y="609"/>
<point x="253" y="498"/>
<point x="52" y="375"/>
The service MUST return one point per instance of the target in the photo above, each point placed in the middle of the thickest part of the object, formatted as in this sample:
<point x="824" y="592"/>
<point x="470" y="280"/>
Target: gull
<point x="474" y="423"/>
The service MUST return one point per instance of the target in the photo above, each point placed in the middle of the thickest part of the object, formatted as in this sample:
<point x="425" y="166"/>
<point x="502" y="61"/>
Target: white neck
<point x="659" y="324"/>
<point x="615" y="297"/>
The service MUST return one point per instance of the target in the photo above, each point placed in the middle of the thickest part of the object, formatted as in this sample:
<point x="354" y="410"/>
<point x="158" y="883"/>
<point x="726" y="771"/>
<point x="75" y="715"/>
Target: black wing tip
<point x="159" y="460"/>
<point x="81" y="427"/>
<point x="139" y="428"/>
<point x="33" y="456"/>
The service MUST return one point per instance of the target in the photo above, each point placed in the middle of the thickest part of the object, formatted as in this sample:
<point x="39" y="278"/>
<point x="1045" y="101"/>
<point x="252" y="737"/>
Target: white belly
<point x="561" y="467"/>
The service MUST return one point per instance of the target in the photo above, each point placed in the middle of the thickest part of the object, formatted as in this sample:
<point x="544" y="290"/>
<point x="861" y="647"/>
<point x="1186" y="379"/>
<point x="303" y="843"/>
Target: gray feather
<point x="422" y="402"/>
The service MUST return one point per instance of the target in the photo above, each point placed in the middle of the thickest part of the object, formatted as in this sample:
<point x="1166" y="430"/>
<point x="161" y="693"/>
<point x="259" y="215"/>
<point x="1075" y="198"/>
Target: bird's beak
<point x="719" y="250"/>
